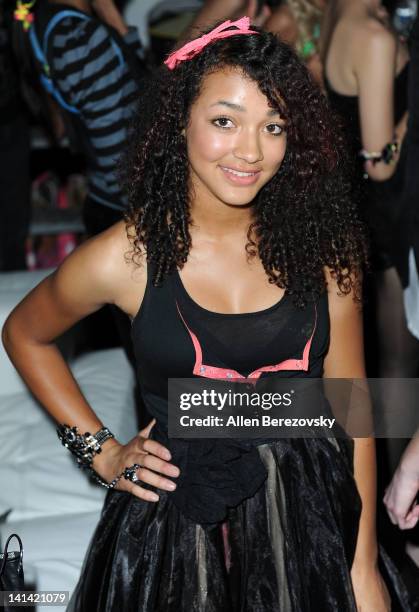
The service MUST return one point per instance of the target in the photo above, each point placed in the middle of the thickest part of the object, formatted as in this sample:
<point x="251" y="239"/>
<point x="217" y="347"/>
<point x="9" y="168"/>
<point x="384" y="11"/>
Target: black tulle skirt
<point x="286" y="548"/>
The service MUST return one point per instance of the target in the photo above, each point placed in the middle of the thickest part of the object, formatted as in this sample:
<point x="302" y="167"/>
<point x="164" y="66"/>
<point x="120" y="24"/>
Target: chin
<point x="241" y="204"/>
<point x="237" y="199"/>
<point x="238" y="202"/>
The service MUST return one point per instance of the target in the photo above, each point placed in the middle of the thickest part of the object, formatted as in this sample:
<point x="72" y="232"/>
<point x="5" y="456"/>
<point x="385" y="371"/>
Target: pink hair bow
<point x="193" y="47"/>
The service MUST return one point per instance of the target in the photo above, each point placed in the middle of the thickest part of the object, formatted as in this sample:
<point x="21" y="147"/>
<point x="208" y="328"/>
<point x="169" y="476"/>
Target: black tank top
<point x="348" y="106"/>
<point x="174" y="337"/>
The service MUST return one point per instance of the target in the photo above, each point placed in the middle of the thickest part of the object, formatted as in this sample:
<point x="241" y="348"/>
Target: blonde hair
<point x="307" y="17"/>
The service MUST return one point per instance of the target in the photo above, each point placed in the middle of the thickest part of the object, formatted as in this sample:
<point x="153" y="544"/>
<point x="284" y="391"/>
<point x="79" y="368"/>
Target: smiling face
<point x="236" y="142"/>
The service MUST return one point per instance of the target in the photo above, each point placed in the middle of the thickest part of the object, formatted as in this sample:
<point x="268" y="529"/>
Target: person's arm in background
<point x="345" y="359"/>
<point x="282" y="22"/>
<point x="401" y="493"/>
<point x="221" y="10"/>
<point x="108" y="12"/>
<point x="213" y="11"/>
<point x="375" y="71"/>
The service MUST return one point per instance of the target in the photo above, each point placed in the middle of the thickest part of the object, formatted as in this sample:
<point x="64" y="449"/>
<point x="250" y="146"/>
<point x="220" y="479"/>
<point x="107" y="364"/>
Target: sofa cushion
<point x="38" y="476"/>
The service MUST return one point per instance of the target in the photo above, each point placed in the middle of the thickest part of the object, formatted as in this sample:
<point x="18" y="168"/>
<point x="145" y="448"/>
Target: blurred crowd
<point x="71" y="76"/>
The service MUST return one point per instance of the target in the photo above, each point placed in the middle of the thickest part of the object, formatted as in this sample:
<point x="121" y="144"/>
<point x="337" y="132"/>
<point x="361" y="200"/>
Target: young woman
<point x="243" y="244"/>
<point x="366" y="69"/>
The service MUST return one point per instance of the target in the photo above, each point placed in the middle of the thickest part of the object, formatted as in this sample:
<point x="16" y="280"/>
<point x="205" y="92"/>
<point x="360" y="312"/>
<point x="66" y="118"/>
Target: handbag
<point x="11" y="567"/>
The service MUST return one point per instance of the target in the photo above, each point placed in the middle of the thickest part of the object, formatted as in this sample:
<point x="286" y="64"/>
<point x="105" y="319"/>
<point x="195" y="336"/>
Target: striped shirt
<point x="87" y="70"/>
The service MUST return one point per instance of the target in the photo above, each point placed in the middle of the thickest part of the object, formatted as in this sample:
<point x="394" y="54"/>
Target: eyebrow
<point x="240" y="108"/>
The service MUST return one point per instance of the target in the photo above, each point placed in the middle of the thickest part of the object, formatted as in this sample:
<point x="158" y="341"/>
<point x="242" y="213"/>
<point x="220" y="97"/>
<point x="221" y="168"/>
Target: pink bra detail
<point x="208" y="371"/>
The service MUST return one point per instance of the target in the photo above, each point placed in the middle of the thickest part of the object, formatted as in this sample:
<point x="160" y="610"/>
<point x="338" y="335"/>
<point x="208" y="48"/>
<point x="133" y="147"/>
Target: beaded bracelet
<point x="85" y="446"/>
<point x="387" y="154"/>
<point x="127" y="474"/>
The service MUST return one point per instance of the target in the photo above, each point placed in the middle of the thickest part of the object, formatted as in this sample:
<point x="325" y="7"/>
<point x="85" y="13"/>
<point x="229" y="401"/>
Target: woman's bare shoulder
<point x="374" y="34"/>
<point x="375" y="49"/>
<point x="104" y="268"/>
<point x="126" y="267"/>
<point x="109" y="252"/>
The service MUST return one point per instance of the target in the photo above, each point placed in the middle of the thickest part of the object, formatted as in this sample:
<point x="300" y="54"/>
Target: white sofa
<point x="45" y="497"/>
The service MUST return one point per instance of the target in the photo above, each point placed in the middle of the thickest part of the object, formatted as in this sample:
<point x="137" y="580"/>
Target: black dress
<point x="252" y="526"/>
<point x="380" y="201"/>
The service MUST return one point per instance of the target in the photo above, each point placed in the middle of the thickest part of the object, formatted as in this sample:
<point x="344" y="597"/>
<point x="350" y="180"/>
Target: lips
<point x="240" y="177"/>
<point x="237" y="172"/>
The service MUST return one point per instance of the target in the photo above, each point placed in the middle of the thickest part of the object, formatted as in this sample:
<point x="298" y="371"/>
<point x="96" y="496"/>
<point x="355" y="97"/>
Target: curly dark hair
<point x="304" y="217"/>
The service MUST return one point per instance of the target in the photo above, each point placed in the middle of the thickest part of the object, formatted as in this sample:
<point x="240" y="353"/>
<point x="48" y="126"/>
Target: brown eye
<point x="222" y="122"/>
<point x="275" y="129"/>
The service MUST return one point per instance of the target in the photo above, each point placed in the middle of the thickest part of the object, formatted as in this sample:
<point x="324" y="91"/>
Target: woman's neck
<point x="219" y="220"/>
<point x="213" y="217"/>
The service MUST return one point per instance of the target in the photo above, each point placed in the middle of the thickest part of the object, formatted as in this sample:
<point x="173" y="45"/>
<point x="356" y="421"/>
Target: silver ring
<point x="130" y="473"/>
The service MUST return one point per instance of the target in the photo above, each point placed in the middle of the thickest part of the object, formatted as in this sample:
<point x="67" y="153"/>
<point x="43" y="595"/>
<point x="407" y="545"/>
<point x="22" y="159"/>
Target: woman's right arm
<point x="93" y="275"/>
<point x="375" y="72"/>
<point x="400" y="496"/>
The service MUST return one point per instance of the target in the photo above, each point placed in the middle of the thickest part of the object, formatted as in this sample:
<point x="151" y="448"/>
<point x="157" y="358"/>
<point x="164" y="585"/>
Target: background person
<point x="94" y="64"/>
<point x="366" y="69"/>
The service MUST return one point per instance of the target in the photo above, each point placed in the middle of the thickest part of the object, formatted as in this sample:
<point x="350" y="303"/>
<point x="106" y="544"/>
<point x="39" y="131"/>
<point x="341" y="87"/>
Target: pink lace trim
<point x="208" y="371"/>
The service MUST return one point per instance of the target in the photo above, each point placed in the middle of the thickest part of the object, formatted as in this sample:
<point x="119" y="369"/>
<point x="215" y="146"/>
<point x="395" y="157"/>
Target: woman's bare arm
<point x="97" y="273"/>
<point x="375" y="72"/>
<point x="88" y="279"/>
<point x="345" y="359"/>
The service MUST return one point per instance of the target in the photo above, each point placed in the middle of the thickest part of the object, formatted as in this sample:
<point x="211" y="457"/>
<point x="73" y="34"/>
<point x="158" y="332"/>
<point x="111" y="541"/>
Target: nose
<point x="248" y="147"/>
